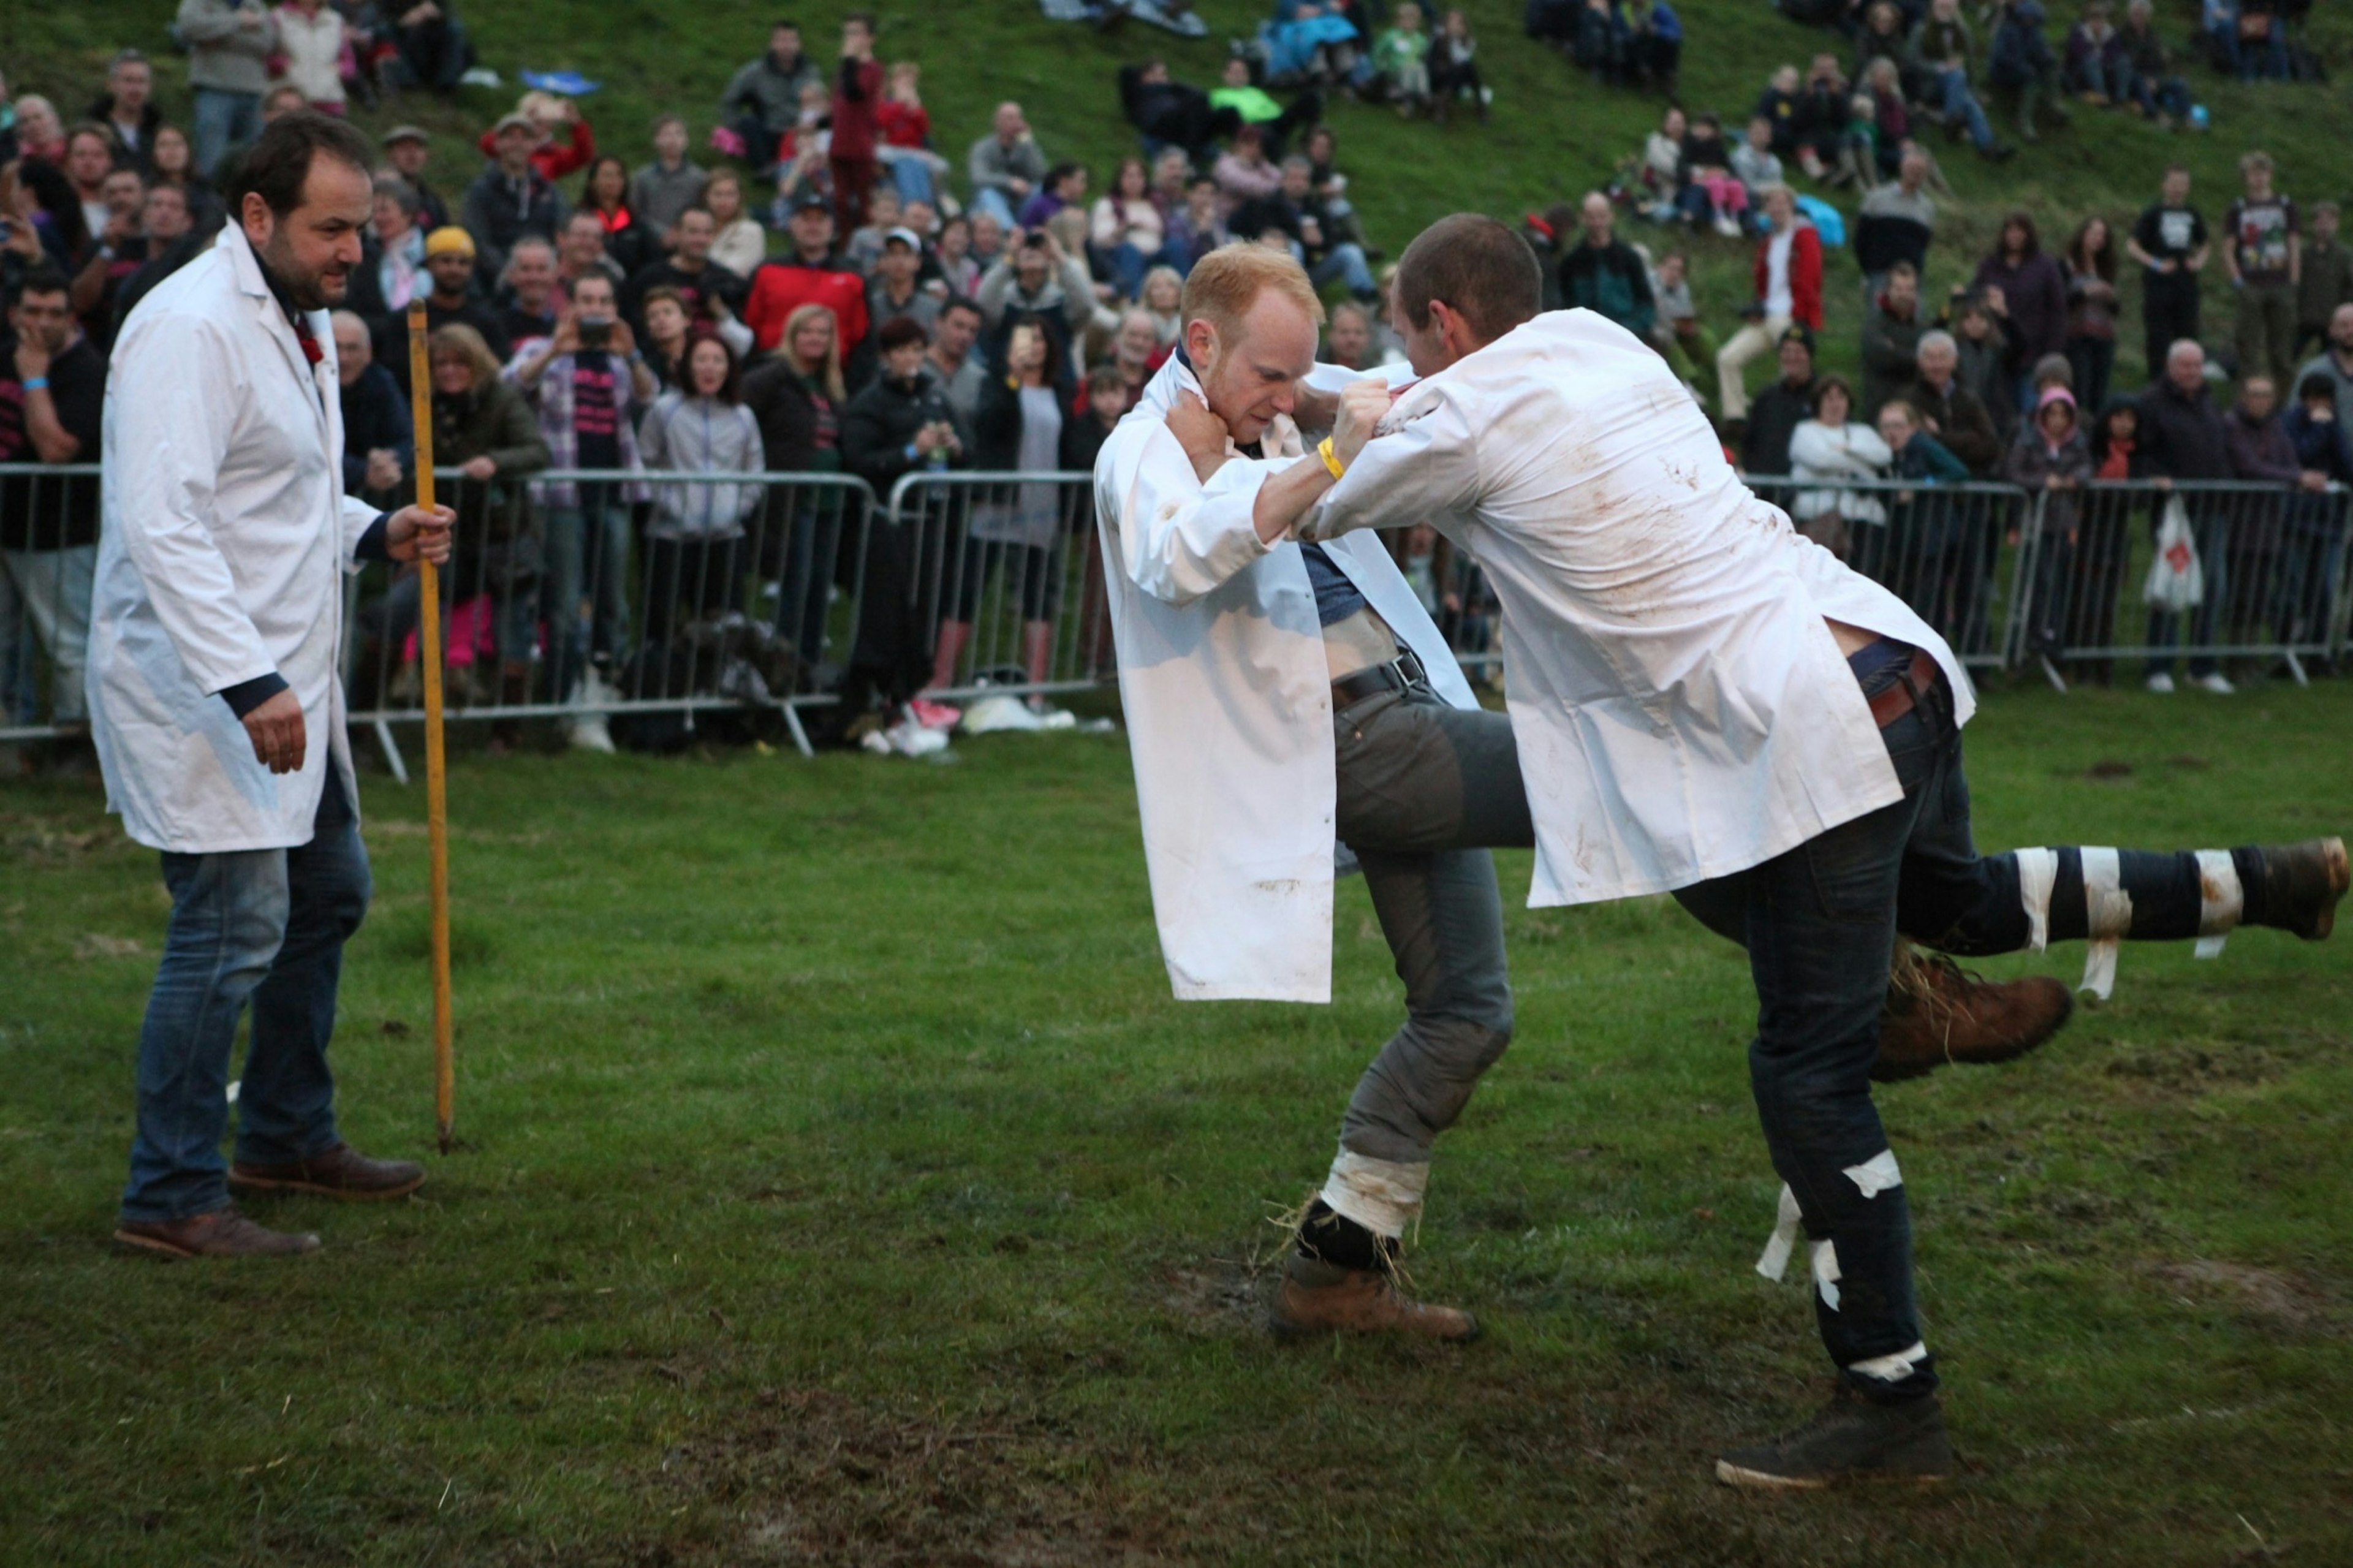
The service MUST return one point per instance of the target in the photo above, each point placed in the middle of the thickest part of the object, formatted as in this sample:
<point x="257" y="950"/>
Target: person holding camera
<point x="588" y="384"/>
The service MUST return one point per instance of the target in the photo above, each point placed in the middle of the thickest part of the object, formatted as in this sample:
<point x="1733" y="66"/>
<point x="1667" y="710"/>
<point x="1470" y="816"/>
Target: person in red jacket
<point x="856" y="94"/>
<point x="1788" y="290"/>
<point x="810" y="274"/>
<point x="553" y="159"/>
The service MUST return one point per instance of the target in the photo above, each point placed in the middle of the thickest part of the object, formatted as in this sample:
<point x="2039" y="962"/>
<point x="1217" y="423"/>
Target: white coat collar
<point x="250" y="282"/>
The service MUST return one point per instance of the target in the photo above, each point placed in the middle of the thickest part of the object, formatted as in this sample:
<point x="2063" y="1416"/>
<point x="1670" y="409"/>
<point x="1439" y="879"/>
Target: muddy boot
<point x="1341" y="1276"/>
<point x="2302" y="885"/>
<point x="1852" y="1439"/>
<point x="1937" y="1012"/>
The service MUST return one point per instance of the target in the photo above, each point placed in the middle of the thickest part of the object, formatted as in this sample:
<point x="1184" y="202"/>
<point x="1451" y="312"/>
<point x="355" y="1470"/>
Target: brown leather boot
<point x="224" y="1233"/>
<point x="1937" y="1012"/>
<point x="342" y="1172"/>
<point x="1318" y="1298"/>
<point x="2301" y="883"/>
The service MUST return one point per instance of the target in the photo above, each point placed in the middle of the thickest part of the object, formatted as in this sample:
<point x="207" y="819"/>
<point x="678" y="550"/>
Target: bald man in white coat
<point x="1708" y="703"/>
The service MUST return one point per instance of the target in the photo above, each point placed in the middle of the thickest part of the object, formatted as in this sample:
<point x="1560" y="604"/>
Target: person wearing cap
<point x="808" y="274"/>
<point x="450" y="262"/>
<point x="551" y="158"/>
<point x="408" y="148"/>
<point x="1788" y="279"/>
<point x="1781" y="407"/>
<point x="893" y="292"/>
<point x="511" y="197"/>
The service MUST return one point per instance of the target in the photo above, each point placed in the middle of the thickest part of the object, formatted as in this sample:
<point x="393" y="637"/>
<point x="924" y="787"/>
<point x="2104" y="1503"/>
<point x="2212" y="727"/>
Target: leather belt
<point x="1396" y="675"/>
<point x="1919" y="677"/>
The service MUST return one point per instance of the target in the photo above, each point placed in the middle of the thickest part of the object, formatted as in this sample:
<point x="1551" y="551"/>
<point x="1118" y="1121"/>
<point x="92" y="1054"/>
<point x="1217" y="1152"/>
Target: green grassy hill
<point x="1554" y="133"/>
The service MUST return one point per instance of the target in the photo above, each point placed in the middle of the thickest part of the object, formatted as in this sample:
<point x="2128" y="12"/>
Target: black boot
<point x="1851" y="1439"/>
<point x="2302" y="884"/>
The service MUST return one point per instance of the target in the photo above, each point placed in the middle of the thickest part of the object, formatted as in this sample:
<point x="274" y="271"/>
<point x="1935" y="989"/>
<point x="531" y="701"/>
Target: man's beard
<point x="320" y="290"/>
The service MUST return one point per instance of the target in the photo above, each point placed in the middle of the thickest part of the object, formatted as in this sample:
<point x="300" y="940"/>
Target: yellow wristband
<point x="1331" y="461"/>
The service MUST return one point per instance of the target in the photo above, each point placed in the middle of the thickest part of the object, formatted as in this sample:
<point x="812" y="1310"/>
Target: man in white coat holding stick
<point x="215" y="699"/>
<point x="1708" y="703"/>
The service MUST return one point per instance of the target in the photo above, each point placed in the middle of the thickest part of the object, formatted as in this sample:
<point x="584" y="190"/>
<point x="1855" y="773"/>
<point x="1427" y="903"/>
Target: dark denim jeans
<point x="1820" y="924"/>
<point x="264" y="924"/>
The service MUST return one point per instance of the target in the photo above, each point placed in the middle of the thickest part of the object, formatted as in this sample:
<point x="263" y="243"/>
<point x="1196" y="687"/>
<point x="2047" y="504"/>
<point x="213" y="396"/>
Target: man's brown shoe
<point x="1317" y="1298"/>
<point x="2301" y="883"/>
<point x="342" y="1172"/>
<point x="224" y="1233"/>
<point x="1937" y="1013"/>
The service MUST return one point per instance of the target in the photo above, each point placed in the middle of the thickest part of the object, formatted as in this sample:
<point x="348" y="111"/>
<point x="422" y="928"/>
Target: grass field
<point x="1555" y="135"/>
<point x="840" y="1184"/>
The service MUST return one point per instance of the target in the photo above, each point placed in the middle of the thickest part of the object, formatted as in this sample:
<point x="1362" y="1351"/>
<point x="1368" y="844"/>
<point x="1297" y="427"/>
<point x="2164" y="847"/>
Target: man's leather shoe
<point x="1317" y="1298"/>
<point x="2301" y="883"/>
<point x="224" y="1233"/>
<point x="341" y="1172"/>
<point x="1937" y="1013"/>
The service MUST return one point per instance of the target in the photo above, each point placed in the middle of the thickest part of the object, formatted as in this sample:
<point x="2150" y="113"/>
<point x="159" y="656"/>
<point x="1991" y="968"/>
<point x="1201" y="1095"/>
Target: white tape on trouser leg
<point x="2107" y="920"/>
<point x="1826" y="1273"/>
<point x="2037" y="869"/>
<point x="1876" y="1175"/>
<point x="1773" y="1261"/>
<point x="2221" y="901"/>
<point x="1382" y="1196"/>
<point x="1892" y="1368"/>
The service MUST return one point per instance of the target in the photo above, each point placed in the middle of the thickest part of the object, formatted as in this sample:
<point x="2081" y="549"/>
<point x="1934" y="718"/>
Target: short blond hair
<point x="1225" y="284"/>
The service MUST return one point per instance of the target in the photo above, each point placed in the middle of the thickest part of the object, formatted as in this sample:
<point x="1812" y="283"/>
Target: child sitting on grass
<point x="1401" y="57"/>
<point x="1452" y="71"/>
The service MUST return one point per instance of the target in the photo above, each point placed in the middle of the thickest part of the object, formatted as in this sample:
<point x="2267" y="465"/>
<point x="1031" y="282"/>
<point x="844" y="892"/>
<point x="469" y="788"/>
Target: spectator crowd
<point x="845" y="289"/>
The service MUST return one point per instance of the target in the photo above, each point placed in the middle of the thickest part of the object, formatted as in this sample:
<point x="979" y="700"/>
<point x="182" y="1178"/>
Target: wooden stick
<point x="436" y="805"/>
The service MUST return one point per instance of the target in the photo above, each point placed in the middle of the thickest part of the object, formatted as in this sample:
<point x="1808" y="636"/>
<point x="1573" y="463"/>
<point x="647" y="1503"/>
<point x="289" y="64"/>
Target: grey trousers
<point x="1425" y="790"/>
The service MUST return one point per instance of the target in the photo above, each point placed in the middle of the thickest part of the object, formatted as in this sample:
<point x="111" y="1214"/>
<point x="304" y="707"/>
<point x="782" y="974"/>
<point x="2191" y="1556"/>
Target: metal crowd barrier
<point x="648" y="599"/>
<point x="658" y="599"/>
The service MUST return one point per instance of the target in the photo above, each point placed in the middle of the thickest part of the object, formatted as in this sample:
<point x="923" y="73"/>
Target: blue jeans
<point x="53" y="588"/>
<point x="990" y="200"/>
<point x="264" y="924"/>
<point x="1953" y="87"/>
<point x="910" y="175"/>
<point x="587" y="602"/>
<point x="1347" y="262"/>
<point x="223" y="120"/>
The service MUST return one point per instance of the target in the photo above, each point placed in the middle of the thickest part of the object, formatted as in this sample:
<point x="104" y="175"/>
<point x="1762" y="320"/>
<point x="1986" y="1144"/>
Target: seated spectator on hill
<point x="511" y="197"/>
<point x="379" y="438"/>
<point x="1065" y="186"/>
<point x="1789" y="283"/>
<point x="634" y="243"/>
<point x="408" y="149"/>
<point x="1244" y="172"/>
<point x="1947" y="51"/>
<point x="1682" y="341"/>
<point x="313" y="42"/>
<point x="1601" y="40"/>
<point x="1275" y="122"/>
<point x="527" y="303"/>
<point x="1947" y="410"/>
<point x="1168" y="113"/>
<point x="1897" y="221"/>
<point x="1828" y="446"/>
<point x="2032" y="297"/>
<point x="1401" y="60"/>
<point x="1890" y="120"/>
<point x="807" y="273"/>
<point x="738" y="243"/>
<point x="763" y="100"/>
<point x="803" y="164"/>
<point x="2021" y="63"/>
<point x="715" y="297"/>
<point x="1200" y="227"/>
<point x="1313" y="41"/>
<point x="2096" y="63"/>
<point x="52" y="400"/>
<point x="1780" y="408"/>
<point x="1708" y="191"/>
<point x="1662" y="168"/>
<point x="670" y="184"/>
<point x="2244" y="40"/>
<point x="695" y="555"/>
<point x="429" y="45"/>
<point x="1855" y="160"/>
<point x="903" y="127"/>
<point x="1454" y="69"/>
<point x="1754" y="161"/>
<point x="1005" y="165"/>
<point x="2156" y="87"/>
<point x="1298" y="212"/>
<point x="1602" y="273"/>
<point x="1777" y="106"/>
<point x="1331" y="186"/>
<point x="1821" y="120"/>
<point x="172" y="241"/>
<point x="1890" y="339"/>
<point x="1884" y="37"/>
<point x="128" y="109"/>
<point x="548" y="114"/>
<point x="1125" y="228"/>
<point x="1553" y="21"/>
<point x="2326" y="279"/>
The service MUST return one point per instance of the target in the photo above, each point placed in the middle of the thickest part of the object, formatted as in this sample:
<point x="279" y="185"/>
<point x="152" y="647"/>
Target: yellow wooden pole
<point x="436" y="805"/>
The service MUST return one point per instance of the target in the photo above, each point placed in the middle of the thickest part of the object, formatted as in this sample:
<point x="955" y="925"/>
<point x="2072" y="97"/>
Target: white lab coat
<point x="225" y="535"/>
<point x="1229" y="704"/>
<point x="1682" y="713"/>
